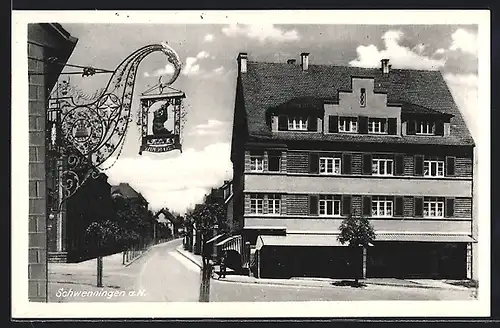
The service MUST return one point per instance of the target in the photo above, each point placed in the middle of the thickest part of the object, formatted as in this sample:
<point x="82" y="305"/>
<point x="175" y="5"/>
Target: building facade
<point x="92" y="202"/>
<point x="315" y="144"/>
<point x="44" y="41"/>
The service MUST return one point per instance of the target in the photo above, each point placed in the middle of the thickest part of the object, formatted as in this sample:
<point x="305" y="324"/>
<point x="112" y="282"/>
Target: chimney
<point x="385" y="66"/>
<point x="304" y="58"/>
<point x="242" y="62"/>
<point x="291" y="61"/>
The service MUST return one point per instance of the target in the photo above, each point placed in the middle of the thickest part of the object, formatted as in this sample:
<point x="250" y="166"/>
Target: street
<point x="164" y="275"/>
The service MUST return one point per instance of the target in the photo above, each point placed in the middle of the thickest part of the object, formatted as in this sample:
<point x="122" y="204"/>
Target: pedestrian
<point x="223" y="265"/>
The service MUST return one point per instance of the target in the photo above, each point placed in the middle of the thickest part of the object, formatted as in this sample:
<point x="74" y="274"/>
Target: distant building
<point x="314" y="144"/>
<point x="126" y="191"/>
<point x="44" y="41"/>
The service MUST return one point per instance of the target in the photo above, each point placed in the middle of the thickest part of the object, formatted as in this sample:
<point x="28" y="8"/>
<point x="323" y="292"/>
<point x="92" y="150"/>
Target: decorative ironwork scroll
<point x="93" y="127"/>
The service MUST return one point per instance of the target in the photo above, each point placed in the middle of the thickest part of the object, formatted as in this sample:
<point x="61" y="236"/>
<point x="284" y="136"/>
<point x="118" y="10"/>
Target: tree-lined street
<point x="164" y="275"/>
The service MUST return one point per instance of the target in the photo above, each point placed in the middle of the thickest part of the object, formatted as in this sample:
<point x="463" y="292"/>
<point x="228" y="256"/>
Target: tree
<point x="132" y="218"/>
<point x="103" y="234"/>
<point x="356" y="231"/>
<point x="207" y="218"/>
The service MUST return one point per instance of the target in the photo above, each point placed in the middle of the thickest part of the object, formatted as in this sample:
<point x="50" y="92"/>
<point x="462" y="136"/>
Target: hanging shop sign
<point x="160" y="119"/>
<point x="87" y="132"/>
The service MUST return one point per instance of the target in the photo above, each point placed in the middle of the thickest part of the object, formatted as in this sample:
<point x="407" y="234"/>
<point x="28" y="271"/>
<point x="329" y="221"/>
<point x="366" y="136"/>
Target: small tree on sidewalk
<point x="206" y="218"/>
<point x="356" y="231"/>
<point x="103" y="234"/>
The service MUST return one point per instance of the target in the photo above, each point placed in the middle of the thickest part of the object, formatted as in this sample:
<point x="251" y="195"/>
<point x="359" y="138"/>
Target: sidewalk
<point x="69" y="281"/>
<point x="326" y="282"/>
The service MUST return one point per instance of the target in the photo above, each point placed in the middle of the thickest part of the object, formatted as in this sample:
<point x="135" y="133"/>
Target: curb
<point x="138" y="257"/>
<point x="278" y="283"/>
<point x="187" y="257"/>
<point x="147" y="250"/>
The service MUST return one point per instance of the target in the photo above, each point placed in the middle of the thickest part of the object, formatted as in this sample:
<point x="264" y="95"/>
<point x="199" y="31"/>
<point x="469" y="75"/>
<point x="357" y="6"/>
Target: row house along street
<point x="269" y="176"/>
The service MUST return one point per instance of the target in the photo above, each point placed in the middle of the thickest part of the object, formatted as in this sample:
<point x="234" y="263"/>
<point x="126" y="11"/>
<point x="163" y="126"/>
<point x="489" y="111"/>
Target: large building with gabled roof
<point x="314" y="144"/>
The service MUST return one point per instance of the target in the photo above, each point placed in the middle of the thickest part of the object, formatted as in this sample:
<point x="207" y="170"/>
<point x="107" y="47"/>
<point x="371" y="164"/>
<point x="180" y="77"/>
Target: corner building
<point x="314" y="144"/>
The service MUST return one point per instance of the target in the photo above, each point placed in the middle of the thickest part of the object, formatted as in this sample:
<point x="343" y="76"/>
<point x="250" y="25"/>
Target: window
<point x="329" y="165"/>
<point x="256" y="204"/>
<point x="274" y="162"/>
<point x="382" y="166"/>
<point x="382" y="206"/>
<point x="348" y="124"/>
<point x="297" y="123"/>
<point x="433" y="207"/>
<point x="274" y="204"/>
<point x="425" y="127"/>
<point x="377" y="125"/>
<point x="362" y="97"/>
<point x="433" y="168"/>
<point x="257" y="163"/>
<point x="329" y="205"/>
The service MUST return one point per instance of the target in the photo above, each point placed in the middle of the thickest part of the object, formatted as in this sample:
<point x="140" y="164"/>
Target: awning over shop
<point x="216" y="238"/>
<point x="233" y="243"/>
<point x="298" y="240"/>
<point x="437" y="238"/>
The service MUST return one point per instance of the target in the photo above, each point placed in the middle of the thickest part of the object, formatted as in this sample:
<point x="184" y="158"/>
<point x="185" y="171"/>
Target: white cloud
<point x="261" y="32"/>
<point x="202" y="54"/>
<point x="400" y="56"/>
<point x="219" y="70"/>
<point x="208" y="38"/>
<point x="175" y="182"/>
<point x="210" y="128"/>
<point x="463" y="87"/>
<point x="440" y="51"/>
<point x="167" y="70"/>
<point x="465" y="41"/>
<point x="191" y="68"/>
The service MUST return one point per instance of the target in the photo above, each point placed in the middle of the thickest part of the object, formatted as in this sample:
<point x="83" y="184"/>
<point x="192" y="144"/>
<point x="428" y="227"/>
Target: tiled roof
<point x="126" y="191"/>
<point x="410" y="108"/>
<point x="267" y="85"/>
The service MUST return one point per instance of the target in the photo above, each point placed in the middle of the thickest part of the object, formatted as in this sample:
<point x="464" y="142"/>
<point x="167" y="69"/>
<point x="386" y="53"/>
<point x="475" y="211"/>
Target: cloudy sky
<point x="208" y="53"/>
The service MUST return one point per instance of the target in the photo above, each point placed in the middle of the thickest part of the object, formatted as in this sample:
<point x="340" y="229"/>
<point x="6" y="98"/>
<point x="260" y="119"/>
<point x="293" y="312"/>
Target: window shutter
<point x="398" y="207"/>
<point x="333" y="124"/>
<point x="411" y="127"/>
<point x="313" y="163"/>
<point x="450" y="166"/>
<point x="393" y="126"/>
<point x="363" y="124"/>
<point x="367" y="163"/>
<point x="419" y="207"/>
<point x="274" y="162"/>
<point x="313" y="205"/>
<point x="346" y="163"/>
<point x="449" y="210"/>
<point x="312" y="124"/>
<point x="419" y="165"/>
<point x="439" y="128"/>
<point x="398" y="164"/>
<point x="367" y="205"/>
<point x="346" y="205"/>
<point x="282" y="123"/>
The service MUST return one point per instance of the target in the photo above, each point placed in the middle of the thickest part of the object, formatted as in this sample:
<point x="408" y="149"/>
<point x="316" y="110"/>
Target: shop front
<point x="426" y="257"/>
<point x="307" y="256"/>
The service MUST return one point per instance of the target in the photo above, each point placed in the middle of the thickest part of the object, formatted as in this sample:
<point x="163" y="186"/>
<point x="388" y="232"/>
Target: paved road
<point x="166" y="275"/>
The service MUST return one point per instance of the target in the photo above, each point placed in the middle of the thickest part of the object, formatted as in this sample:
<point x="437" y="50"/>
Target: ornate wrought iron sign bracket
<point x="87" y="131"/>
